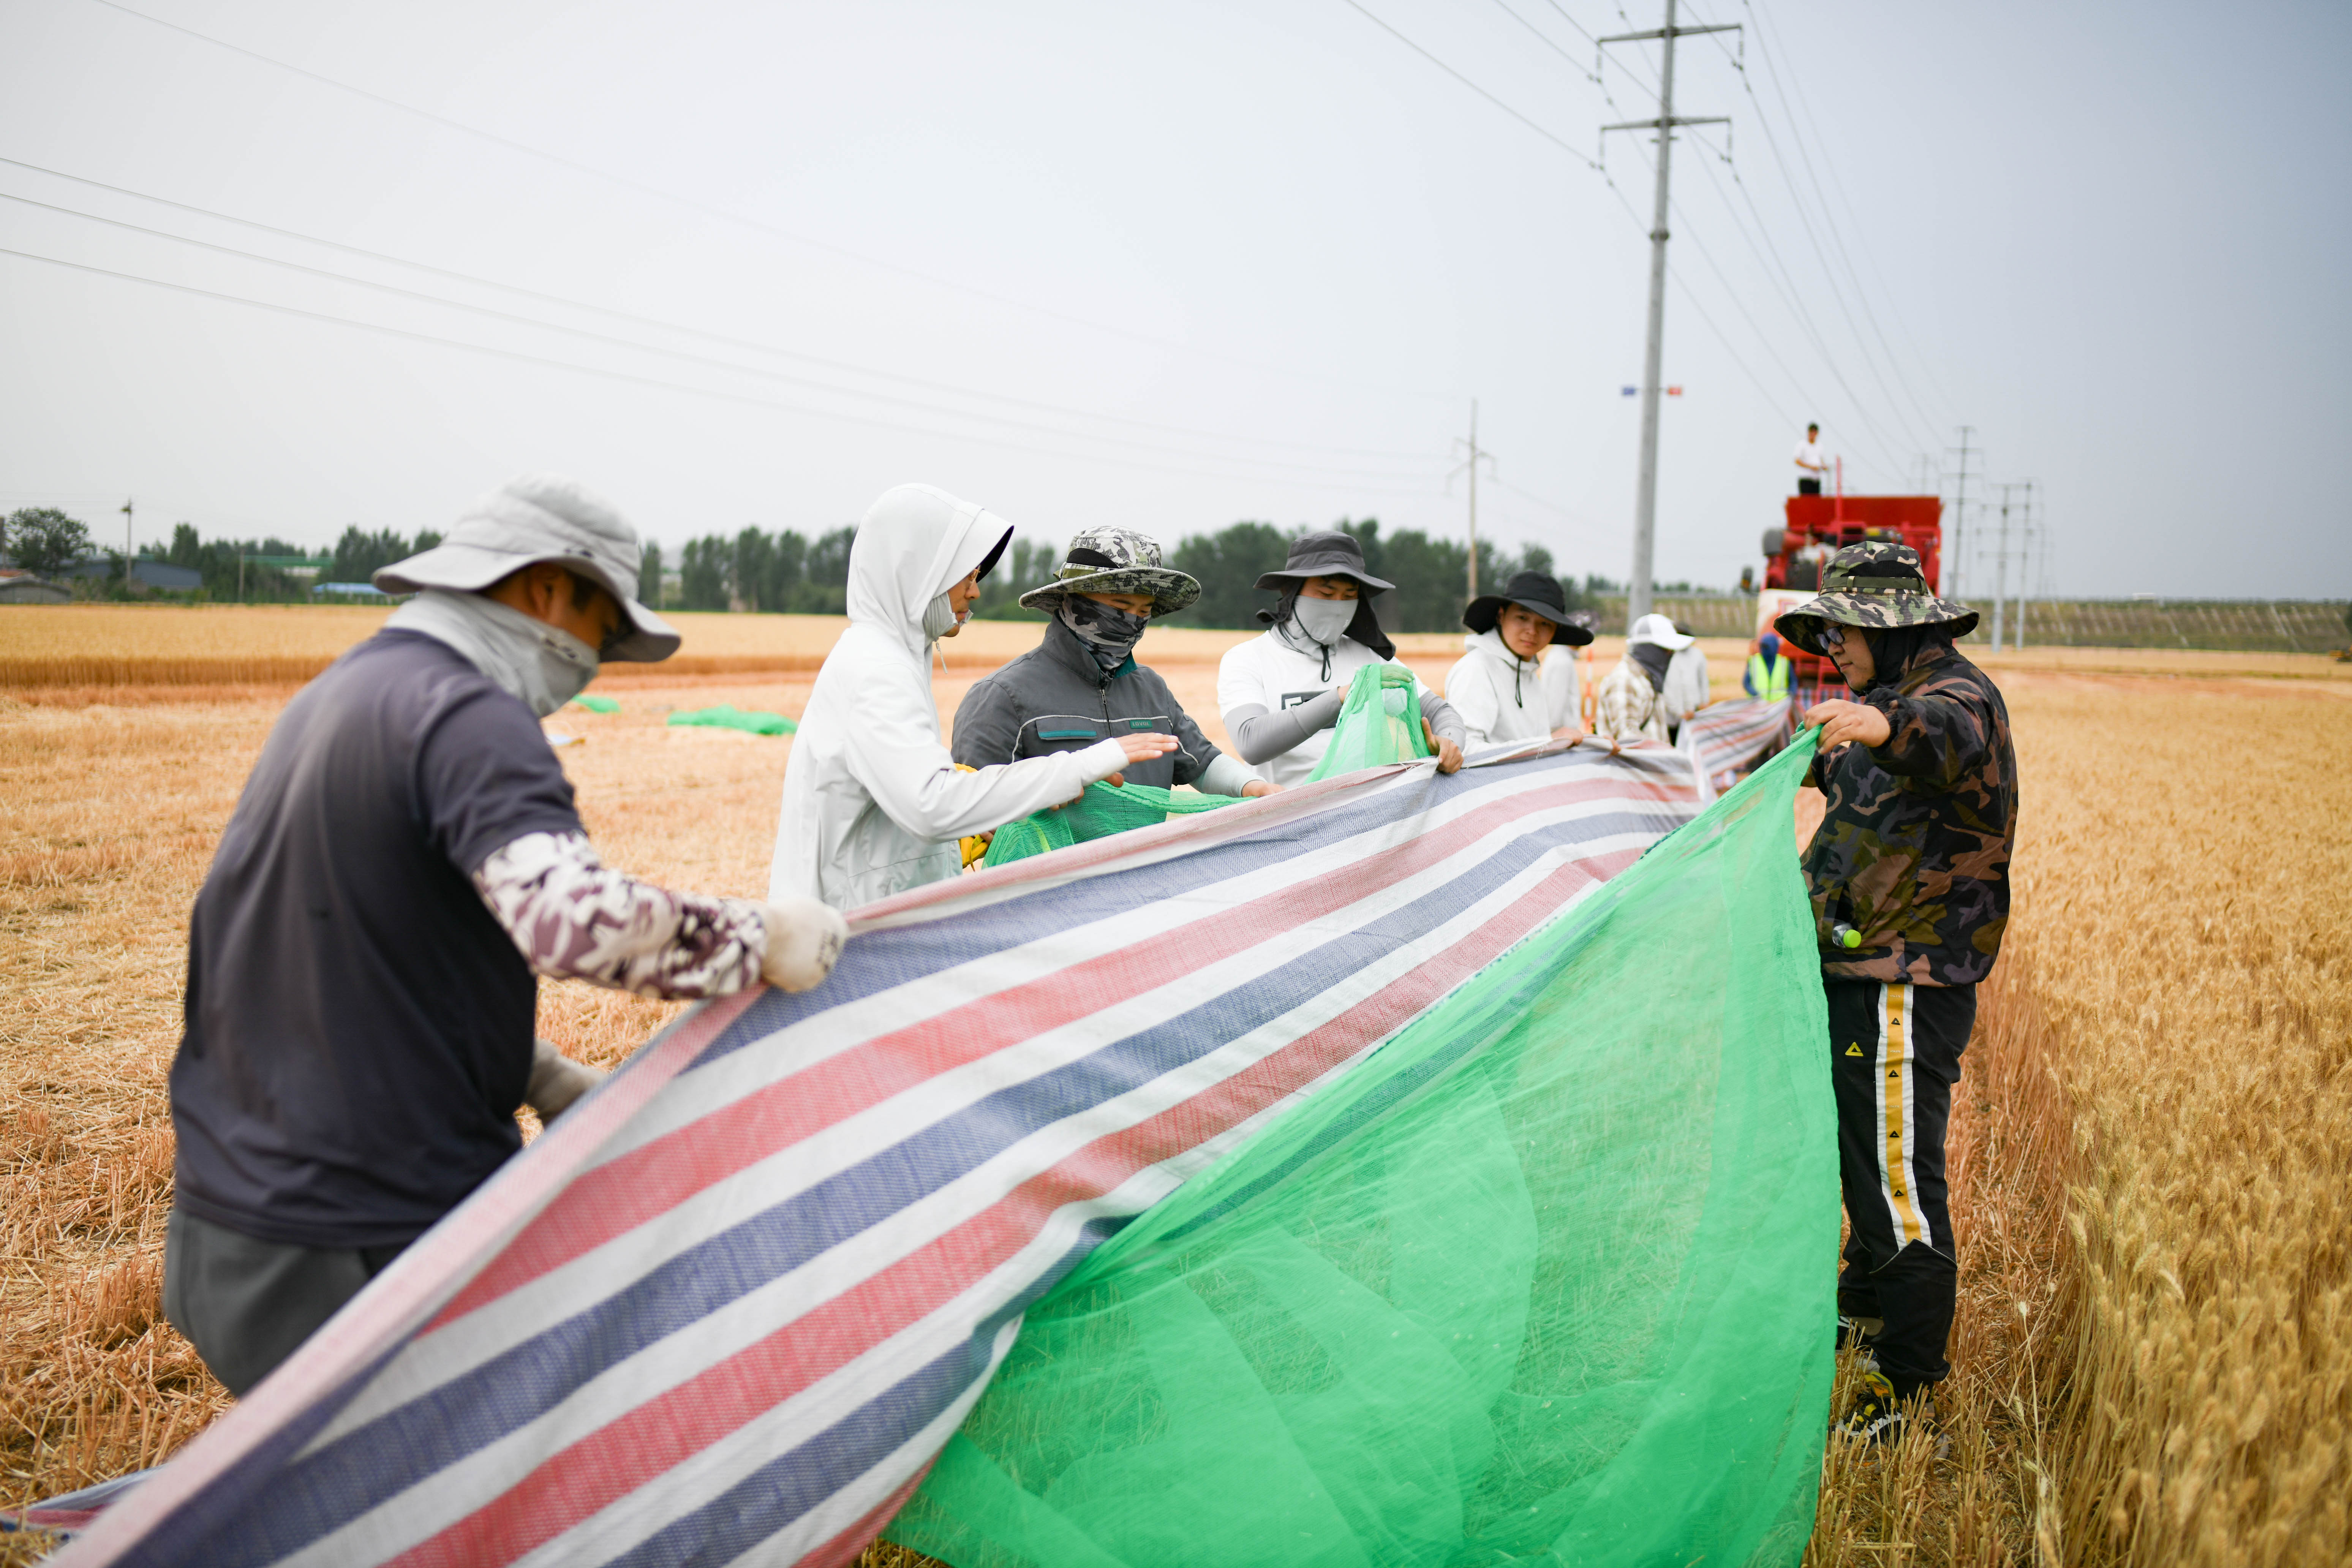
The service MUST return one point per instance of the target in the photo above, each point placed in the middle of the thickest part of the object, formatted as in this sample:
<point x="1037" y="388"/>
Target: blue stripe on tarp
<point x="443" y="1424"/>
<point x="878" y="961"/>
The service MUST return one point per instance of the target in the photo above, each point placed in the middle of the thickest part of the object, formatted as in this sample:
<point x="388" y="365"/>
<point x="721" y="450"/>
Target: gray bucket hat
<point x="1115" y="560"/>
<point x="541" y="516"/>
<point x="1332" y="555"/>
<point x="1875" y="584"/>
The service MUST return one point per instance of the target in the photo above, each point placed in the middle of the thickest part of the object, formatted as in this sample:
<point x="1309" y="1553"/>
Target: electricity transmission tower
<point x="1950" y="586"/>
<point x="1469" y="465"/>
<point x="1645" y="491"/>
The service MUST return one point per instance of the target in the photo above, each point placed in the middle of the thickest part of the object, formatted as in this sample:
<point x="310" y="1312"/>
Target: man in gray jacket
<point x="1082" y="684"/>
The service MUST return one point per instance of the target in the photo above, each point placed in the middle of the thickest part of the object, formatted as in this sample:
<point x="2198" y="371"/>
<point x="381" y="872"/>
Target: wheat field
<point x="2153" y="1362"/>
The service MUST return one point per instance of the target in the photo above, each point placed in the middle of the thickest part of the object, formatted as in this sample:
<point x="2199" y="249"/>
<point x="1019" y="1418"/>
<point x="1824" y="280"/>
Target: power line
<point x="656" y="322"/>
<point x="687" y="388"/>
<point x="609" y="340"/>
<point x="1764" y="52"/>
<point x="726" y="215"/>
<point x="1457" y="76"/>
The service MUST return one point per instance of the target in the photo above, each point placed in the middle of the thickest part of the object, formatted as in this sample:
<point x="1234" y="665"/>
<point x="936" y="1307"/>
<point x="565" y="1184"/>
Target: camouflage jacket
<point x="1913" y="850"/>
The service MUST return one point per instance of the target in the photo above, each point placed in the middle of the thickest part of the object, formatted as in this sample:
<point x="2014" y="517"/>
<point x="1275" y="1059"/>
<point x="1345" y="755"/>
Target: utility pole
<point x="1950" y="586"/>
<point x="2000" y="570"/>
<point x="1470" y="465"/>
<point x="1645" y="488"/>
<point x="2025" y="565"/>
<point x="126" y="536"/>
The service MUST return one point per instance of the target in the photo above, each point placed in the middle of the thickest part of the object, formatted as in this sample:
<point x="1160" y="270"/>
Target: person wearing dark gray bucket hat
<point x="1281" y="693"/>
<point x="1506" y="689"/>
<point x="403" y="864"/>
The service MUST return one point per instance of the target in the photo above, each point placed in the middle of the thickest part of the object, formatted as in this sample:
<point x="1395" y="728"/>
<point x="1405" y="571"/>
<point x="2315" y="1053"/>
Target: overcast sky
<point x="1172" y="265"/>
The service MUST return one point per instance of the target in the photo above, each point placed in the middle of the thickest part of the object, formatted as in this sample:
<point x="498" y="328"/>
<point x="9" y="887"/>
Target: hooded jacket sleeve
<point x="897" y="758"/>
<point x="1563" y="690"/>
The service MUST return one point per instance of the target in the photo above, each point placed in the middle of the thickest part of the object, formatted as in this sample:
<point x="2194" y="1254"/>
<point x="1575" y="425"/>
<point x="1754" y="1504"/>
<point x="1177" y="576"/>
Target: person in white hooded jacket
<point x="874" y="804"/>
<point x="1502" y="687"/>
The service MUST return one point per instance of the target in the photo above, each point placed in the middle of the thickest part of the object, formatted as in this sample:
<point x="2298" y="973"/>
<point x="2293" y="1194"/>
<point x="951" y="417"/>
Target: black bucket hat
<point x="1332" y="555"/>
<point x="1536" y="594"/>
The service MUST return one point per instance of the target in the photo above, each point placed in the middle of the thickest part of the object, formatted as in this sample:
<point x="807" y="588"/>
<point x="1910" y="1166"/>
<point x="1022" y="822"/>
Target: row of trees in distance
<point x="790" y="572"/>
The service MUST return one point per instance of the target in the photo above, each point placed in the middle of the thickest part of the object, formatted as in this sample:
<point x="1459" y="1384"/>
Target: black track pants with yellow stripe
<point x="1895" y="1054"/>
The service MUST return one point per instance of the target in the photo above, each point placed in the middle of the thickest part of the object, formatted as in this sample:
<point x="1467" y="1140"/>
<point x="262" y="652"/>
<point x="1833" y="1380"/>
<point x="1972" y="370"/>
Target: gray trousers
<point x="248" y="1305"/>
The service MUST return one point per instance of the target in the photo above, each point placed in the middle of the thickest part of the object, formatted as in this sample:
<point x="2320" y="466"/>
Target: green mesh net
<point x="1103" y="810"/>
<point x="1547" y="1278"/>
<point x="1378" y="724"/>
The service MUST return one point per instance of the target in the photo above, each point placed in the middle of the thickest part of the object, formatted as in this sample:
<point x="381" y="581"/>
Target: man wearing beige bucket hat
<point x="1909" y="874"/>
<point x="403" y="861"/>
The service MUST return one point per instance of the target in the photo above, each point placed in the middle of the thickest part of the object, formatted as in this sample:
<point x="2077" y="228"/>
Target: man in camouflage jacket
<point x="1909" y="879"/>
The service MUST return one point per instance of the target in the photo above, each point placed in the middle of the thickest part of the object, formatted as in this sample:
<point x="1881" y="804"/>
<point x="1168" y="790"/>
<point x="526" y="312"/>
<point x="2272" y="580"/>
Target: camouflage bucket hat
<point x="1115" y="560"/>
<point x="1873" y="584"/>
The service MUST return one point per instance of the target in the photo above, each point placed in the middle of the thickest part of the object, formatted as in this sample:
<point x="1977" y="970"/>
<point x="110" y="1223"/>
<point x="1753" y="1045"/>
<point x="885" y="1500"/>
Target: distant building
<point x="24" y="588"/>
<point x="351" y="590"/>
<point x="155" y="576"/>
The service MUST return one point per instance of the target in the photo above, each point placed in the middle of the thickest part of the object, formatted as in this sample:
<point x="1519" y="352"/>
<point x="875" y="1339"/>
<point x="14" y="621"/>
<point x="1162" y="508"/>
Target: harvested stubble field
<point x="2154" y="1356"/>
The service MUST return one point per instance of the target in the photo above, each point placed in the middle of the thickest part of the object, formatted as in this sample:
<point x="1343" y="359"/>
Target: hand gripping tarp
<point x="734" y="1302"/>
<point x="1104" y="809"/>
<point x="1541" y="1281"/>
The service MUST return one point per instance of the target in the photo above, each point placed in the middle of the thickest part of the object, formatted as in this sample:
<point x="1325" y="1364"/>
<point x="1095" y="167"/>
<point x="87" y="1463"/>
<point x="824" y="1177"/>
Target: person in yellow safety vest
<point x="1767" y="670"/>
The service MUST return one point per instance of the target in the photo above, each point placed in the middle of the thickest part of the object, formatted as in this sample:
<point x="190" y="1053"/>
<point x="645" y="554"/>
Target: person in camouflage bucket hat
<point x="1875" y="584"/>
<point x="1114" y="561"/>
<point x="1909" y="874"/>
<point x="1082" y="683"/>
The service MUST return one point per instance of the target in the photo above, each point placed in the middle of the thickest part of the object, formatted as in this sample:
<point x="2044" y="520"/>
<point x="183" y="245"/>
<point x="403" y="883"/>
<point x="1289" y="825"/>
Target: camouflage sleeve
<point x="1940" y="734"/>
<point x="575" y="918"/>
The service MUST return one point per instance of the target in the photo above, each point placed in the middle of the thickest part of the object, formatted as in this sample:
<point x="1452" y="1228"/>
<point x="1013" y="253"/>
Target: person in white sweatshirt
<point x="1503" y="687"/>
<point x="873" y="803"/>
<point x="1281" y="693"/>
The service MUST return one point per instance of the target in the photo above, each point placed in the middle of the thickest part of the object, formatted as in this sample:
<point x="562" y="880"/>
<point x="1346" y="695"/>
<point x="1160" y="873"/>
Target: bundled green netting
<point x="597" y="704"/>
<point x="1103" y="810"/>
<point x="727" y="716"/>
<point x="1378" y="724"/>
<point x="1547" y="1278"/>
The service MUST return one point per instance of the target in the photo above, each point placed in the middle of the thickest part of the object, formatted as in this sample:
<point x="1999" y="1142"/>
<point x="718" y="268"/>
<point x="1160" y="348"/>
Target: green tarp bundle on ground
<point x="1547" y="1278"/>
<point x="1103" y="810"/>
<point x="727" y="716"/>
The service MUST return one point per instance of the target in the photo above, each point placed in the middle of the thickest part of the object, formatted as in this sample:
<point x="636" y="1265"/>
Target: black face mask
<point x="1108" y="632"/>
<point x="1653" y="661"/>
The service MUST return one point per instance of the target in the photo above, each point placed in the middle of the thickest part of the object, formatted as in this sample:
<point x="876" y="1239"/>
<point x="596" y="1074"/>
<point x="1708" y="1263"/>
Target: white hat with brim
<point x="534" y="518"/>
<point x="1660" y="630"/>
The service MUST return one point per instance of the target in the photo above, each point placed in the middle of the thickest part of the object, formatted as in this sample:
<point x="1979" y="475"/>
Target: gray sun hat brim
<point x="1869" y="609"/>
<point x="1488" y="608"/>
<point x="539" y="518"/>
<point x="1171" y="590"/>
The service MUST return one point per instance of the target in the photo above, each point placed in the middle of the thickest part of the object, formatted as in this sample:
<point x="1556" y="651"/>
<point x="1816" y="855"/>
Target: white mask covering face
<point x="543" y="666"/>
<point x="940" y="618"/>
<point x="1324" y="620"/>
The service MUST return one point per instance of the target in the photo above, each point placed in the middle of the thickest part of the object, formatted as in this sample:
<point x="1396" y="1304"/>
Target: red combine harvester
<point x="1817" y="527"/>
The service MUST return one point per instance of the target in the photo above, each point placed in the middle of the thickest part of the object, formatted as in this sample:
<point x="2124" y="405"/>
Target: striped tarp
<point x="732" y="1304"/>
<point x="1726" y="737"/>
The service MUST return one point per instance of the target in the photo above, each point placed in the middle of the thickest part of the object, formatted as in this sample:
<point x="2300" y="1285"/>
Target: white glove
<point x="556" y="1080"/>
<point x="804" y="940"/>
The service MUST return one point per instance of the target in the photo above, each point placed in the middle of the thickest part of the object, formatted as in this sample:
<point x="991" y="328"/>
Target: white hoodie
<point x="873" y="803"/>
<point x="1504" y="699"/>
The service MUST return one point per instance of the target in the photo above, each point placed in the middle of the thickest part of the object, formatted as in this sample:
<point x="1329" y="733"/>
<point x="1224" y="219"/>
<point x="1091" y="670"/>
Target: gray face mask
<point x="1325" y="621"/>
<point x="940" y="618"/>
<point x="543" y="666"/>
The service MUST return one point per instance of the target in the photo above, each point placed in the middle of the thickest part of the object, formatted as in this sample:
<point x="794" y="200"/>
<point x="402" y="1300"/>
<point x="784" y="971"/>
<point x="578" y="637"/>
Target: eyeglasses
<point x="1829" y="637"/>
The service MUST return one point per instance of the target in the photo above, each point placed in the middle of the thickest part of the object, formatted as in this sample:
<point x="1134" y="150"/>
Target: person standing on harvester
<point x="1281" y="693"/>
<point x="1909" y="878"/>
<point x="1081" y="684"/>
<point x="402" y="861"/>
<point x="1810" y="464"/>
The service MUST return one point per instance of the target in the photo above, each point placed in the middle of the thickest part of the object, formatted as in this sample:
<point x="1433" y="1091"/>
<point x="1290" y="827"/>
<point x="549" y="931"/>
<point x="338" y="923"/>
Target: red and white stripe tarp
<point x="732" y="1304"/>
<point x="1724" y="737"/>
